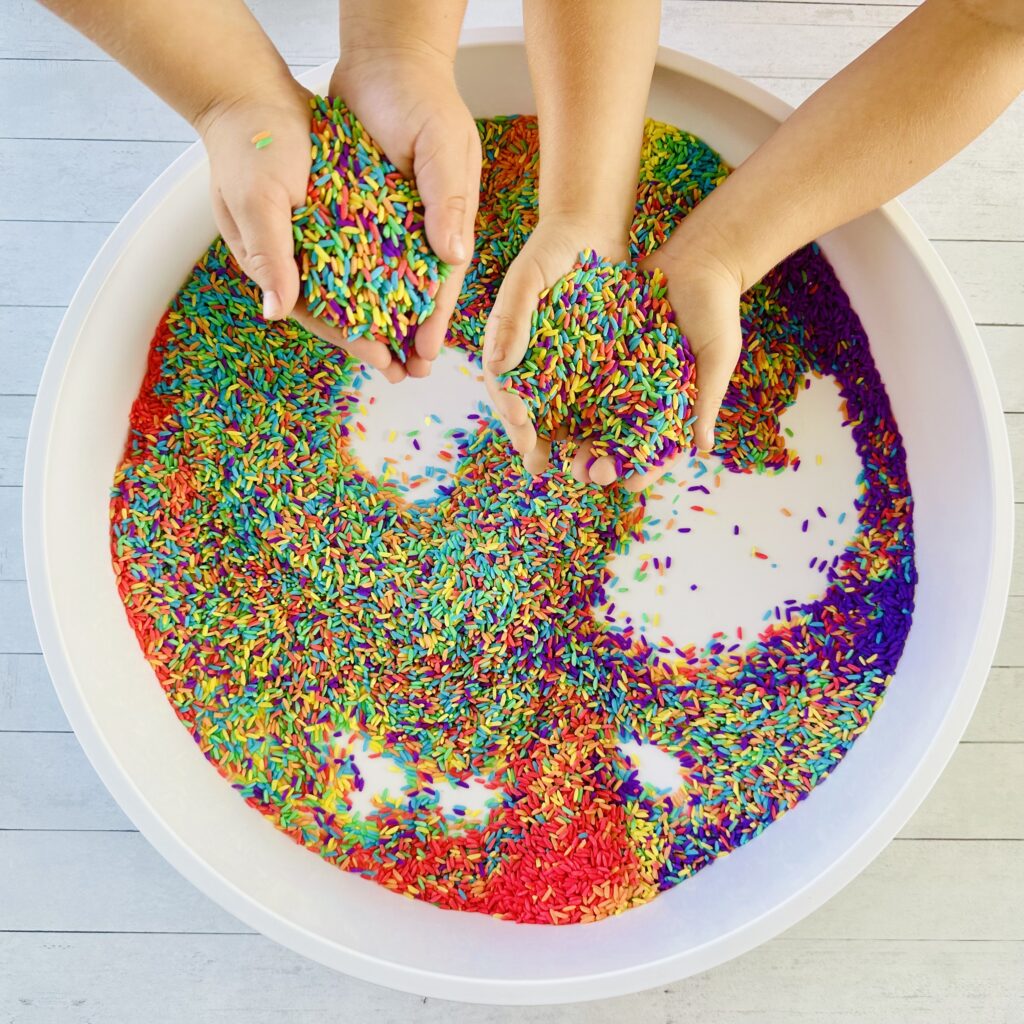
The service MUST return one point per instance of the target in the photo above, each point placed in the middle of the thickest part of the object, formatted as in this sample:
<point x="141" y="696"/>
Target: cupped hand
<point x="549" y="253"/>
<point x="411" y="107"/>
<point x="704" y="293"/>
<point x="253" y="192"/>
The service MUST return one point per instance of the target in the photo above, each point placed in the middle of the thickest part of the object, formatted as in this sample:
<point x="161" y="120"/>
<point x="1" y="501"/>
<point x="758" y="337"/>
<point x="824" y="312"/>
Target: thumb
<point x="507" y="331"/>
<point x="264" y="222"/>
<point x="716" y="348"/>
<point x="506" y="339"/>
<point x="446" y="166"/>
<point x="715" y="354"/>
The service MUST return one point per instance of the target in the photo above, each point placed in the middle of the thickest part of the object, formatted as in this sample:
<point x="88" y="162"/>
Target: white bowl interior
<point x="931" y="361"/>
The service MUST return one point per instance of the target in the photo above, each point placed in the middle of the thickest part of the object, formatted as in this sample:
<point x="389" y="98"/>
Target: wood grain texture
<point x="999" y="717"/>
<point x="958" y="808"/>
<point x="26" y="333"/>
<point x="30" y="276"/>
<point x="15" y="415"/>
<point x="57" y="99"/>
<point x="974" y="196"/>
<point x="1015" y="432"/>
<point x="17" y="630"/>
<point x="28" y="701"/>
<point x="97" y="181"/>
<point x="723" y="31"/>
<point x="211" y="979"/>
<point x="1010" y="651"/>
<point x="12" y="561"/>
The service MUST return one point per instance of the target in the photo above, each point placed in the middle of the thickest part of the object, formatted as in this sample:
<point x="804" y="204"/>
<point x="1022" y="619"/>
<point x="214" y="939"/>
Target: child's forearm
<point x="197" y="55"/>
<point x="903" y="108"/>
<point x="404" y="28"/>
<point x="591" y="66"/>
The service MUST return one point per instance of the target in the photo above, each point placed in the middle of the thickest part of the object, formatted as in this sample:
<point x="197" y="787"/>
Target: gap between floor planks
<point x="722" y="31"/>
<point x="109" y="881"/>
<point x="788" y="981"/>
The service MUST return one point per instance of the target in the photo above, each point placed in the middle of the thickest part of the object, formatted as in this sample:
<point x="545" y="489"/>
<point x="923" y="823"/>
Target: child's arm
<point x="195" y="55"/>
<point x="396" y="72"/>
<point x="591" y="66"/>
<point x="902" y="109"/>
<point x="211" y="61"/>
<point x="214" y="65"/>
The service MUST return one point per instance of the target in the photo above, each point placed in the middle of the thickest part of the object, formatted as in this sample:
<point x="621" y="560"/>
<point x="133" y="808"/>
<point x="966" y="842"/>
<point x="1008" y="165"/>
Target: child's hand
<point x="591" y="66"/>
<point x="548" y="254"/>
<point x="409" y="104"/>
<point x="704" y="292"/>
<point x="254" y="191"/>
<point x="703" y="289"/>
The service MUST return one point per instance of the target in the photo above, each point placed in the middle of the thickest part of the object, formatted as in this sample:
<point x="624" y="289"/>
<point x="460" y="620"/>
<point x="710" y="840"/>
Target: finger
<point x="587" y="468"/>
<point x="431" y="333"/>
<point x="366" y="350"/>
<point x="417" y="366"/>
<point x="579" y="467"/>
<point x="715" y="364"/>
<point x="537" y="460"/>
<point x="507" y="332"/>
<point x="509" y="407"/>
<point x="225" y="222"/>
<point x="513" y="413"/>
<point x="519" y="427"/>
<point x="264" y="220"/>
<point x="446" y="165"/>
<point x="394" y="371"/>
<point x="603" y="472"/>
<point x="506" y="339"/>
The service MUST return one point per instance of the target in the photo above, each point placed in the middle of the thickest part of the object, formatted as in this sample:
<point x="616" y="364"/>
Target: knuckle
<point x="238" y="249"/>
<point x="457" y="203"/>
<point x="516" y="414"/>
<point x="505" y="326"/>
<point x="259" y="263"/>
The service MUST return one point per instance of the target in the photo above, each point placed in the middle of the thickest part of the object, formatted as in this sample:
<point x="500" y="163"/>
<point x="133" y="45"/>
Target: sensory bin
<point x="311" y="618"/>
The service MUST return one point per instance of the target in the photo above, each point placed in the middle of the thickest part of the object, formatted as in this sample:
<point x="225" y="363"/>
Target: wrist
<point x="278" y="93"/>
<point x="589" y="229"/>
<point x="702" y="246"/>
<point x="391" y="37"/>
<point x="389" y="67"/>
<point x="395" y="60"/>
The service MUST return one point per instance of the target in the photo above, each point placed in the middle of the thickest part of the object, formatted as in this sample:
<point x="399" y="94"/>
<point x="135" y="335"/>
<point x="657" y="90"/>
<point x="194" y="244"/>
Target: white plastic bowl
<point x="944" y="397"/>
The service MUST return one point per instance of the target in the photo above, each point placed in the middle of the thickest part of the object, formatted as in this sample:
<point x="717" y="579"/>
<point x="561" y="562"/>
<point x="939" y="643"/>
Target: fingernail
<point x="272" y="306"/>
<point x="498" y="356"/>
<point x="458" y="248"/>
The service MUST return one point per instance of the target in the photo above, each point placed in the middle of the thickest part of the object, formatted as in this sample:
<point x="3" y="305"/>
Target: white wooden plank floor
<point x="95" y="926"/>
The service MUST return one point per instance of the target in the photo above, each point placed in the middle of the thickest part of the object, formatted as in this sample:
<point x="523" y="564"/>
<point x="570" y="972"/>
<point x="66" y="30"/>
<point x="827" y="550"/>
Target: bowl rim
<point x="673" y="967"/>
